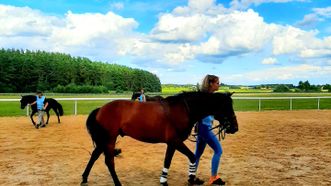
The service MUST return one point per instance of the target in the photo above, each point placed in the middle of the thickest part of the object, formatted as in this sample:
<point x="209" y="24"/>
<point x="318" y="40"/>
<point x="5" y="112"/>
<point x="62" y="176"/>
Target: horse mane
<point x="185" y="94"/>
<point x="182" y="96"/>
<point x="135" y="95"/>
<point x="28" y="97"/>
<point x="197" y="94"/>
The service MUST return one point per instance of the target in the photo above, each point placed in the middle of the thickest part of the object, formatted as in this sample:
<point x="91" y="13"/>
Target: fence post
<point x="27" y="109"/>
<point x="75" y="107"/>
<point x="318" y="103"/>
<point x="259" y="104"/>
<point x="290" y="103"/>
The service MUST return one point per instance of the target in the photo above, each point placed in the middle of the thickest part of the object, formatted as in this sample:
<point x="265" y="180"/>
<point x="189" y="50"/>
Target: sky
<point x="244" y="42"/>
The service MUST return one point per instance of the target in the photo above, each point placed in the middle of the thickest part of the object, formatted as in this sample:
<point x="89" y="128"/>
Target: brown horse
<point x="169" y="121"/>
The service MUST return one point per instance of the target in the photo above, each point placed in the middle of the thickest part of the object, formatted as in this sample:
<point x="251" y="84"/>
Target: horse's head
<point x="24" y="102"/>
<point x="28" y="99"/>
<point x="225" y="112"/>
<point x="135" y="95"/>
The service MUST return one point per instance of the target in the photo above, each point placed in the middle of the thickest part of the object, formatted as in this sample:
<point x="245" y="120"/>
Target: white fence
<point x="283" y="98"/>
<point x="68" y="99"/>
<point x="235" y="98"/>
<point x="87" y="99"/>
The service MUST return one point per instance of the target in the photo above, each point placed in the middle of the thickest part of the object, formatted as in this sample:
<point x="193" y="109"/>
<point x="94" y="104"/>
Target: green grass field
<point x="85" y="107"/>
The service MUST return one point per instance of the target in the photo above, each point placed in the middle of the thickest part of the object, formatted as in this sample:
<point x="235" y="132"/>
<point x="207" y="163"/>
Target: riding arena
<point x="270" y="148"/>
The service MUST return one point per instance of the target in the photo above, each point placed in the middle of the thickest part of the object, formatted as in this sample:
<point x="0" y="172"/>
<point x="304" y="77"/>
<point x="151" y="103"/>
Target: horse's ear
<point x="229" y="93"/>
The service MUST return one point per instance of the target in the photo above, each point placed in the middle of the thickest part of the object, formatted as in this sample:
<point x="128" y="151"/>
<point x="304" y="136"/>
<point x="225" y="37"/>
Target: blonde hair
<point x="205" y="85"/>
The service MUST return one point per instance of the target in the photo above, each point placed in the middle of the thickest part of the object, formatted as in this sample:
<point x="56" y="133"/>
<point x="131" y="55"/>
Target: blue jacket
<point x="40" y="102"/>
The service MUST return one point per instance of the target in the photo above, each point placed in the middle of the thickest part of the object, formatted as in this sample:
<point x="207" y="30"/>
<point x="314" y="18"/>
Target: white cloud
<point x="237" y="33"/>
<point x="291" y="40"/>
<point x="218" y="35"/>
<point x="24" y="21"/>
<point x="162" y="53"/>
<point x="324" y="12"/>
<point x="88" y="34"/>
<point x="202" y="30"/>
<point x="188" y="24"/>
<point x="117" y="5"/>
<point x="84" y="29"/>
<point x="214" y="35"/>
<point x="180" y="28"/>
<point x="281" y="74"/>
<point x="318" y="15"/>
<point x="244" y="4"/>
<point x="304" y="44"/>
<point x="269" y="61"/>
<point x="200" y="5"/>
<point x="309" y="20"/>
<point x="206" y="7"/>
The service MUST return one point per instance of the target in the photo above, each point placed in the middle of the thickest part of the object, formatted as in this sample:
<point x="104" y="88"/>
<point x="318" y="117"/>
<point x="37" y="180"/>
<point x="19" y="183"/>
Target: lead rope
<point x="221" y="132"/>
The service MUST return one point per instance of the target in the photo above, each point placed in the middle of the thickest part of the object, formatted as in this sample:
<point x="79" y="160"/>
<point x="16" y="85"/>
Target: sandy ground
<point x="271" y="148"/>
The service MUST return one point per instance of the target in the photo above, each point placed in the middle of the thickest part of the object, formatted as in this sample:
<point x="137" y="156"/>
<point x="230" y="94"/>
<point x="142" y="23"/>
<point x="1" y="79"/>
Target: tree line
<point x="303" y="86"/>
<point x="28" y="71"/>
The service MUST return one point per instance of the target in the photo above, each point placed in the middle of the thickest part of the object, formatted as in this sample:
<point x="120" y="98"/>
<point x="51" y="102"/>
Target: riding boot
<point x="216" y="181"/>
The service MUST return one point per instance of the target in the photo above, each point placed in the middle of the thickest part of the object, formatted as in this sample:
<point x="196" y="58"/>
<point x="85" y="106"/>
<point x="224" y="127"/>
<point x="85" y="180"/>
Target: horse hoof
<point x="164" y="184"/>
<point x="117" y="152"/>
<point x="84" y="183"/>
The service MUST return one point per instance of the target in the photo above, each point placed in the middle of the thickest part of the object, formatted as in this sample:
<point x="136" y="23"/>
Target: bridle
<point x="223" y="127"/>
<point x="221" y="132"/>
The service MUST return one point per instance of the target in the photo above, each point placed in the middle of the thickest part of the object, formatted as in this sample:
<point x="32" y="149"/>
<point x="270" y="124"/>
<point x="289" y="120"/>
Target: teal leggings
<point x="206" y="136"/>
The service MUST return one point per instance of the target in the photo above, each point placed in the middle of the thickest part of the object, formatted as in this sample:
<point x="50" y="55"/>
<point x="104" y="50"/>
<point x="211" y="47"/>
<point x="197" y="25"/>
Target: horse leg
<point x="181" y="147"/>
<point x="47" y="112"/>
<point x="109" y="160"/>
<point x="31" y="116"/>
<point x="57" y="114"/>
<point x="95" y="155"/>
<point x="167" y="161"/>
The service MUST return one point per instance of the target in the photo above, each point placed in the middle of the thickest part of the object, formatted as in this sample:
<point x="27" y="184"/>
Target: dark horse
<point x="169" y="121"/>
<point x="52" y="104"/>
<point x="136" y="95"/>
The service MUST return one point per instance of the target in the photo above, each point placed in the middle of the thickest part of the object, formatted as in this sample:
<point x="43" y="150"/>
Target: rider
<point x="205" y="136"/>
<point x="142" y="97"/>
<point x="41" y="107"/>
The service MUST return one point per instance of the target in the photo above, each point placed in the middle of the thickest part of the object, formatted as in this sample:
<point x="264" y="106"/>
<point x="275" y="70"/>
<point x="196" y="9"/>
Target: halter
<point x="221" y="130"/>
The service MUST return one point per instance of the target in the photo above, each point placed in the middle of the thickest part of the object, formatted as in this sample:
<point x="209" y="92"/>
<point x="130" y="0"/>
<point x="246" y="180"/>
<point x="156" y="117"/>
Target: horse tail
<point x="98" y="134"/>
<point x="60" y="109"/>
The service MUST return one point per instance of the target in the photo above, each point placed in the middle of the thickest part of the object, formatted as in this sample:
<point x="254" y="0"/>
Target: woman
<point x="142" y="97"/>
<point x="206" y="136"/>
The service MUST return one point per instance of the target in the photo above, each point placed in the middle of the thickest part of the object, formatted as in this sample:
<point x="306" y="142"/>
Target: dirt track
<point x="271" y="148"/>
